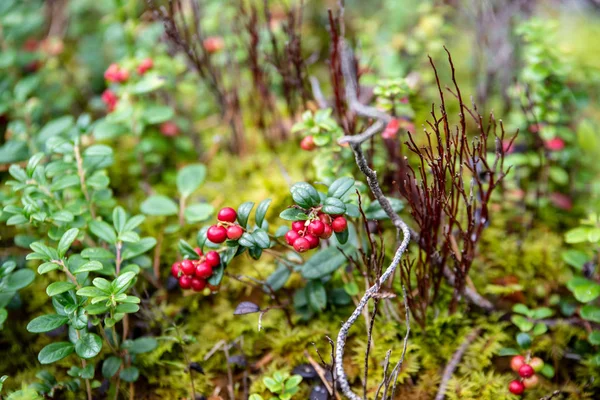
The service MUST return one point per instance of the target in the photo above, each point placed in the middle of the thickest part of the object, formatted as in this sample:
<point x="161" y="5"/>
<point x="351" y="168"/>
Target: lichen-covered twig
<point x="453" y="363"/>
<point x="402" y="228"/>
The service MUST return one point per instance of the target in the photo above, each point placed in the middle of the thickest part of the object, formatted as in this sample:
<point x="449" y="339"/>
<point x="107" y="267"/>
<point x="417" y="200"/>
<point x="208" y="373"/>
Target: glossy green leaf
<point x="243" y="213"/>
<point x="261" y="212"/>
<point x="293" y="214"/>
<point x="46" y="323"/>
<point x="55" y="351"/>
<point x="59" y="287"/>
<point x="110" y="366"/>
<point x="88" y="345"/>
<point x="103" y="231"/>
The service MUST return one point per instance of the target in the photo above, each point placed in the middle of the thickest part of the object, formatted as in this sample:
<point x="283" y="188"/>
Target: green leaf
<point x="243" y="212"/>
<point x="334" y="206"/>
<point x="189" y="178"/>
<point x="522" y="323"/>
<point x="98" y="150"/>
<point x="293" y="381"/>
<point x="583" y="289"/>
<point x="522" y="309"/>
<point x="119" y="219"/>
<point x="17" y="172"/>
<point x="59" y="287"/>
<point x="159" y="205"/>
<point x="547" y="371"/>
<point x="19" y="279"/>
<point x="64" y="183"/>
<point x="130" y="374"/>
<point x="541" y="313"/>
<point x="325" y="262"/>
<point x="217" y="276"/>
<point x="55" y="127"/>
<point x="141" y="345"/>
<point x="507" y="351"/>
<point x="293" y="214"/>
<point x="261" y="238"/>
<point x="305" y="195"/>
<point x="340" y="187"/>
<point x="198" y="212"/>
<point x="132" y="250"/>
<point x="317" y="296"/>
<point x="88" y="345"/>
<point x="103" y="285"/>
<point x="278" y="278"/>
<point x="122" y="281"/>
<point x="110" y="366"/>
<point x="97" y="253"/>
<point x="88" y="267"/>
<point x="46" y="323"/>
<point x="594" y="338"/>
<point x="127" y="308"/>
<point x="187" y="250"/>
<point x="91" y="291"/>
<point x="577" y="235"/>
<point x="133" y="222"/>
<point x="55" y="351"/>
<point x="524" y="340"/>
<point x="104" y="231"/>
<point x="47" y="267"/>
<point x="342" y="237"/>
<point x="539" y="329"/>
<point x="149" y="83"/>
<point x="575" y="258"/>
<point x="155" y="114"/>
<point x="590" y="312"/>
<point x="66" y="240"/>
<point x="374" y="211"/>
<point x="261" y="211"/>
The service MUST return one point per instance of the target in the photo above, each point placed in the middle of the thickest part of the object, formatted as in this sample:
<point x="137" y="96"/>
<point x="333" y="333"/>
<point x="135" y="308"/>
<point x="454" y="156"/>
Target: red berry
<point x="185" y="282"/>
<point x="312" y="240"/>
<point x="391" y="129"/>
<point x="198" y="251"/>
<point x="187" y="267"/>
<point x="301" y="245"/>
<point x="531" y="382"/>
<point x="175" y="269"/>
<point x="122" y="75"/>
<point x="298" y="226"/>
<point x="291" y="236"/>
<point x="327" y="232"/>
<point x="339" y="224"/>
<point x="308" y="143"/>
<point x="316" y="227"/>
<point x="234" y="232"/>
<point x="145" y="65"/>
<point x="516" y="362"/>
<point x="198" y="284"/>
<point x="227" y="214"/>
<point x="216" y="234"/>
<point x="213" y="259"/>
<point x="326" y="219"/>
<point x="516" y="387"/>
<point x="213" y="44"/>
<point x="110" y="99"/>
<point x="203" y="270"/>
<point x="555" y="144"/>
<point x="112" y="73"/>
<point x="169" y="129"/>
<point x="526" y="371"/>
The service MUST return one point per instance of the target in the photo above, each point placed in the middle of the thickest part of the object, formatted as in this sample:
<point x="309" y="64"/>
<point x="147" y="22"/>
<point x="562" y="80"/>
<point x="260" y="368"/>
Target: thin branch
<point x="453" y="363"/>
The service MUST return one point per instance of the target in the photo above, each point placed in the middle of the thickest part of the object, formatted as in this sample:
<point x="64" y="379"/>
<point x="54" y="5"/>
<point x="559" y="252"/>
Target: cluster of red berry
<point x="527" y="373"/>
<point x="308" y="143"/>
<point x="116" y="74"/>
<point x="192" y="274"/>
<point x="305" y="235"/>
<point x="226" y="228"/>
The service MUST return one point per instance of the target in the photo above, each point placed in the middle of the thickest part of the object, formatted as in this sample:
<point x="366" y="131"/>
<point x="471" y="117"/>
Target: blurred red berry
<point x="313" y="241"/>
<point x="145" y="65"/>
<point x="203" y="270"/>
<point x="234" y="232"/>
<point x="301" y="245"/>
<point x="291" y="236"/>
<point x="185" y="282"/>
<point x="517" y="362"/>
<point x="169" y="129"/>
<point x="110" y="99"/>
<point x="308" y="143"/>
<point x="216" y="234"/>
<point x="316" y="227"/>
<point x="213" y="259"/>
<point x="391" y="129"/>
<point x="176" y="269"/>
<point x="112" y="73"/>
<point x="555" y="144"/>
<point x="516" y="387"/>
<point x="198" y="285"/>
<point x="526" y="371"/>
<point x="213" y="44"/>
<point x="227" y="214"/>
<point x="531" y="382"/>
<point x="187" y="267"/>
<point x="198" y="251"/>
<point x="339" y="224"/>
